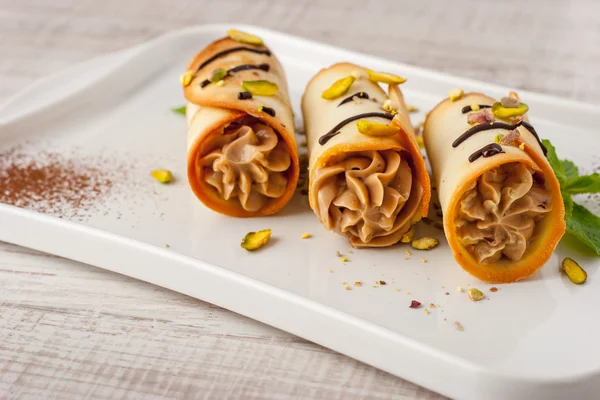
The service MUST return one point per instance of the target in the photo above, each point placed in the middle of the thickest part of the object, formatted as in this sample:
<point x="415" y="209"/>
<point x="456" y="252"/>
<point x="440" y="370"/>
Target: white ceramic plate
<point x="533" y="339"/>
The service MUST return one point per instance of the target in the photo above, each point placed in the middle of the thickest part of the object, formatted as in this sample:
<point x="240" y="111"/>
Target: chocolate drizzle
<point x="488" y="150"/>
<point x="244" y="67"/>
<point x="498" y="125"/>
<point x="268" y="110"/>
<point x="233" y="50"/>
<point x="335" y="130"/>
<point x="467" y="109"/>
<point x="244" y="95"/>
<point x="360" y="95"/>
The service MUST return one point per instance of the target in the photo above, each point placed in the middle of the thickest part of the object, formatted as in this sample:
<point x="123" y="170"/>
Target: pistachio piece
<point x="244" y="37"/>
<point x="162" y="175"/>
<point x="408" y="236"/>
<point x="385" y="77"/>
<point x="476" y="294"/>
<point x="339" y="88"/>
<point x="425" y="243"/>
<point x="217" y="75"/>
<point x="498" y="138"/>
<point x="187" y="78"/>
<point x="455" y="94"/>
<point x="410" y="108"/>
<point x="260" y="88"/>
<point x="371" y="128"/>
<point x="510" y="102"/>
<point x="576" y="274"/>
<point x="387" y="106"/>
<point x="503" y="112"/>
<point x="255" y="240"/>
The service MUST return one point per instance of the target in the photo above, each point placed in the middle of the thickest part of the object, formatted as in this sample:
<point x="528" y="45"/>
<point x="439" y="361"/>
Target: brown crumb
<point x="382" y="283"/>
<point x="167" y="246"/>
<point x="447" y="293"/>
<point x="357" y="283"/>
<point x="493" y="289"/>
<point x="431" y="305"/>
<point x="347" y="287"/>
<point x="458" y="326"/>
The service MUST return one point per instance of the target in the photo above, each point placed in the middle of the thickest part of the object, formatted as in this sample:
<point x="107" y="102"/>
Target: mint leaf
<point x="585" y="226"/>
<point x="568" y="200"/>
<point x="583" y="184"/>
<point x="571" y="170"/>
<point x="555" y="163"/>
<point x="179" y="110"/>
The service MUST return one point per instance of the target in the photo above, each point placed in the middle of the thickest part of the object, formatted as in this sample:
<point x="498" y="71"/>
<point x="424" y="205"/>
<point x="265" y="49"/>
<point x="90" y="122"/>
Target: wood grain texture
<point x="69" y="330"/>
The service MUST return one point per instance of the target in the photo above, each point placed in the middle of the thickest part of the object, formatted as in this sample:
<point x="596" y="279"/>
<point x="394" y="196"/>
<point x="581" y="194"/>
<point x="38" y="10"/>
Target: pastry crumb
<point x="306" y="235"/>
<point x="426" y="311"/>
<point x="167" y="246"/>
<point x="357" y="283"/>
<point x="423" y="260"/>
<point x="347" y="287"/>
<point x="344" y="259"/>
<point x="459" y="289"/>
<point x="447" y="293"/>
<point x="330" y="270"/>
<point x="458" y="326"/>
<point x="493" y="289"/>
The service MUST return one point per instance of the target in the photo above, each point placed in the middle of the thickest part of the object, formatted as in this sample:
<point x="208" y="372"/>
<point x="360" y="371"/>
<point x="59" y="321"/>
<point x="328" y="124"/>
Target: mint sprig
<point x="581" y="223"/>
<point x="179" y="110"/>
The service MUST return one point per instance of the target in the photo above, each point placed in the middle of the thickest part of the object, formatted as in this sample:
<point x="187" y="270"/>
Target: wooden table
<point x="69" y="330"/>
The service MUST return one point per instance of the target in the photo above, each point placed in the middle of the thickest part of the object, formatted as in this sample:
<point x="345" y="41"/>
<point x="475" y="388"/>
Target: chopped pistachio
<point x="217" y="75"/>
<point x="576" y="274"/>
<point x="476" y="294"/>
<point x="187" y="78"/>
<point x="387" y="106"/>
<point x="344" y="259"/>
<point x="260" y="87"/>
<point x="412" y="108"/>
<point x="455" y="94"/>
<point x="162" y="175"/>
<point x="244" y="37"/>
<point x="408" y="236"/>
<point x="502" y="112"/>
<point x="255" y="240"/>
<point x="377" y="129"/>
<point x="385" y="77"/>
<point x="498" y="138"/>
<point x="425" y="243"/>
<point x="338" y="88"/>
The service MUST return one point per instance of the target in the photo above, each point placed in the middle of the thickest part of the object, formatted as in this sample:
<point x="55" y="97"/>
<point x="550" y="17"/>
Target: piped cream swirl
<point x="363" y="194"/>
<point x="247" y="162"/>
<point x="497" y="215"/>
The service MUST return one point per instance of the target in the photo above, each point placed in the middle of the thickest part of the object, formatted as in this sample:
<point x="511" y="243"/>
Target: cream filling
<point x="246" y="162"/>
<point x="497" y="214"/>
<point x="363" y="195"/>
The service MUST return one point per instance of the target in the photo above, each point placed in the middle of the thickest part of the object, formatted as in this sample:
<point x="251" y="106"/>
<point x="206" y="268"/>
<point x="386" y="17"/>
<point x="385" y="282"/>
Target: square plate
<point x="532" y="338"/>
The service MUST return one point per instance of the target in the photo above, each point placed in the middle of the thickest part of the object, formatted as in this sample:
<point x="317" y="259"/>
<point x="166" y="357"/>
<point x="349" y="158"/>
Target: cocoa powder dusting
<point x="55" y="184"/>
